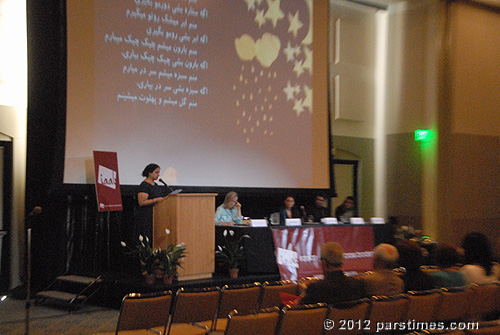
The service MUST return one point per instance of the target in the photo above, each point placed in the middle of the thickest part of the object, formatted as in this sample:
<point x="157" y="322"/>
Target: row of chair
<point x="206" y="310"/>
<point x="200" y="307"/>
<point x="321" y="319"/>
<point x="483" y="328"/>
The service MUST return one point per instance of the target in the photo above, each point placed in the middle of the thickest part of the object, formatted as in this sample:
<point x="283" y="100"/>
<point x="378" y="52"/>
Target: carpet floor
<point x="51" y="321"/>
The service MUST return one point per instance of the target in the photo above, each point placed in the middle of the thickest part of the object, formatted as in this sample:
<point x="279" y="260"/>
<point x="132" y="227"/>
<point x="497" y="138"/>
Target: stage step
<point x="78" y="279"/>
<point x="70" y="290"/>
<point x="60" y="295"/>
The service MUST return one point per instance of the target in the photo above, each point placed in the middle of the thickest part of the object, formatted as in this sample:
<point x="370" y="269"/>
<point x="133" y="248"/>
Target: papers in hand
<point x="175" y="192"/>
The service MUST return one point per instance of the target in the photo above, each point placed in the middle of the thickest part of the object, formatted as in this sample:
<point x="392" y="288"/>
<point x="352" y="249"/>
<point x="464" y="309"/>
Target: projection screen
<point x="225" y="93"/>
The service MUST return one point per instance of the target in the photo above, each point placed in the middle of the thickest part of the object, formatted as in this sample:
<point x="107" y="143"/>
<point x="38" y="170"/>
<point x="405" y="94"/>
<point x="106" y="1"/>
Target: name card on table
<point x="258" y="223"/>
<point x="328" y="221"/>
<point x="377" y="220"/>
<point x="357" y="221"/>
<point x="293" y="222"/>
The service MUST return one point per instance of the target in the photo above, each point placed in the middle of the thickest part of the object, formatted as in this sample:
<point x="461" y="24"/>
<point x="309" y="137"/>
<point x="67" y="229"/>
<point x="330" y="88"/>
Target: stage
<point x="259" y="265"/>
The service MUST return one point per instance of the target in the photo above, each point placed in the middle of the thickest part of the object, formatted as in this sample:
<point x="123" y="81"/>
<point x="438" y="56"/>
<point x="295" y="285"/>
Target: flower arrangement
<point x="158" y="262"/>
<point x="232" y="252"/>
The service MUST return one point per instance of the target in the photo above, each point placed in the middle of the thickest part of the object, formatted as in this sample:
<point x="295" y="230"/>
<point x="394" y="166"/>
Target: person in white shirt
<point x="479" y="266"/>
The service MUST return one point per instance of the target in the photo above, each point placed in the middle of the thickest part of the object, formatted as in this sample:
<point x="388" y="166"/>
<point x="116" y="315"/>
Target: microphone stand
<point x="37" y="210"/>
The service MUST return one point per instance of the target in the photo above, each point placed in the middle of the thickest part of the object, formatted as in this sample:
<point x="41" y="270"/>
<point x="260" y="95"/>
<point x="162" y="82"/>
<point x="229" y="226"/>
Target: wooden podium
<point x="190" y="219"/>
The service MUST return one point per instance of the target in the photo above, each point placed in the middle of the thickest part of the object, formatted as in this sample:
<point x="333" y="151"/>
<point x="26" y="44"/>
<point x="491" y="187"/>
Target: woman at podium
<point x="148" y="195"/>
<point x="229" y="213"/>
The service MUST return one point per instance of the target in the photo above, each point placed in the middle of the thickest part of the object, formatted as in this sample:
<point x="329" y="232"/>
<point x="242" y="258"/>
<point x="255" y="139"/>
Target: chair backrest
<point x="491" y="330"/>
<point x="485" y="300"/>
<point x="244" y="298"/>
<point x="453" y="304"/>
<point x="387" y="309"/>
<point x="271" y="292"/>
<point x="195" y="305"/>
<point x="263" y="322"/>
<point x="486" y="328"/>
<point x="437" y="332"/>
<point x="302" y="320"/>
<point x="422" y="305"/>
<point x="348" y="317"/>
<point x="144" y="311"/>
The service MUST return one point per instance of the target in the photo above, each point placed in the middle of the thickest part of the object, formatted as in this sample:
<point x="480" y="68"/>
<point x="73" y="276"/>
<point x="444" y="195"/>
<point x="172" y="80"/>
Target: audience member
<point x="411" y="258"/>
<point x="479" y="266"/>
<point x="318" y="210"/>
<point x="229" y="212"/>
<point x="347" y="210"/>
<point x="446" y="257"/>
<point x="289" y="211"/>
<point x="336" y="286"/>
<point x="383" y="280"/>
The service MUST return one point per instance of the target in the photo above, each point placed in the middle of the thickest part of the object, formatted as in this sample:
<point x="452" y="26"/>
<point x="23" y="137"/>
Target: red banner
<point x="107" y="184"/>
<point x="298" y="250"/>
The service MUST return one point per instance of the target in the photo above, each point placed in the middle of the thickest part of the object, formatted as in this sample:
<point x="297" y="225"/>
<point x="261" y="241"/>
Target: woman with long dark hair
<point x="479" y="266"/>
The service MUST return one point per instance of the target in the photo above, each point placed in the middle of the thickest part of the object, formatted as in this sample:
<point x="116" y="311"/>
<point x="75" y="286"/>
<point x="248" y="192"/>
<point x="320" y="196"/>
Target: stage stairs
<point x="69" y="291"/>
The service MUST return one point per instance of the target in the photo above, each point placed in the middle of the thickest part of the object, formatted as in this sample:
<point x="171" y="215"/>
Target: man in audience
<point x="383" y="280"/>
<point x="336" y="286"/>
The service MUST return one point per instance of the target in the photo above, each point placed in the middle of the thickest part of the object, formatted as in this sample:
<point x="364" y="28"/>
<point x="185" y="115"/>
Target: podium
<point x="190" y="219"/>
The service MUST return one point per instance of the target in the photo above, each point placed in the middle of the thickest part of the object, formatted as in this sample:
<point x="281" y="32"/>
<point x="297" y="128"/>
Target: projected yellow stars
<point x="295" y="24"/>
<point x="255" y="103"/>
<point x="260" y="49"/>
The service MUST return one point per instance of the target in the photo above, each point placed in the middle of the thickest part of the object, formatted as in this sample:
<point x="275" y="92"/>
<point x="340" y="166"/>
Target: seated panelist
<point x="229" y="212"/>
<point x="289" y="211"/>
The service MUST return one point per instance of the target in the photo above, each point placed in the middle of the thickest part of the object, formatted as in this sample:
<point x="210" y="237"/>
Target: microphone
<point x="304" y="214"/>
<point x="30" y="218"/>
<point x="36" y="210"/>
<point x="166" y="185"/>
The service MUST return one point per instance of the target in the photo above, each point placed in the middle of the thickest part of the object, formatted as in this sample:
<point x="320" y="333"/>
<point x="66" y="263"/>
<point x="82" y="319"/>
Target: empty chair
<point x="192" y="311"/>
<point x="422" y="305"/>
<point x="345" y="316"/>
<point x="485" y="301"/>
<point x="244" y="298"/>
<point x="388" y="310"/>
<point x="142" y="312"/>
<point x="453" y="304"/>
<point x="263" y="322"/>
<point x="271" y="292"/>
<point x="302" y="320"/>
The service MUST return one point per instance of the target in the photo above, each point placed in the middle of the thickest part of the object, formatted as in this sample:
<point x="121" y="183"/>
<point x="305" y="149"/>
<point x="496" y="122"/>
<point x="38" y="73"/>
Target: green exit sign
<point x="422" y="135"/>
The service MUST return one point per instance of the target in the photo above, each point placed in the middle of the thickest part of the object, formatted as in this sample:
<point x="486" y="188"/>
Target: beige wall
<point x="452" y="185"/>
<point x="469" y="162"/>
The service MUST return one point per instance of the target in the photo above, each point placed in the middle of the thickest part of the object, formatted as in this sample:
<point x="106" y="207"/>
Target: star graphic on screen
<point x="289" y="52"/>
<point x="259" y="18"/>
<point x="298" y="68"/>
<point x="295" y="24"/>
<point x="250" y="4"/>
<point x="297" y="51"/>
<point x="274" y="13"/>
<point x="308" y="62"/>
<point x="307" y="103"/>
<point x="289" y="91"/>
<point x="298" y="107"/>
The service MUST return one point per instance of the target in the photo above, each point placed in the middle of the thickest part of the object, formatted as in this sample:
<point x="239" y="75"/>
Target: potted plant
<point x="157" y="263"/>
<point x="231" y="253"/>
